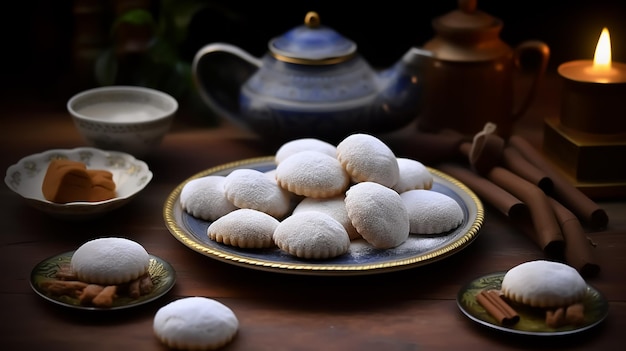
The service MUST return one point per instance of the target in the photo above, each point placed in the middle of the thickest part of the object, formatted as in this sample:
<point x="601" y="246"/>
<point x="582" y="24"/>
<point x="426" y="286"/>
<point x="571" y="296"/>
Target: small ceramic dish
<point x="129" y="174"/>
<point x="130" y="119"/>
<point x="161" y="272"/>
<point x="532" y="321"/>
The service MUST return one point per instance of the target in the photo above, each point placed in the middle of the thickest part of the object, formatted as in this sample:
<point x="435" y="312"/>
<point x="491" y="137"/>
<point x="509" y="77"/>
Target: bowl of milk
<point x="131" y="119"/>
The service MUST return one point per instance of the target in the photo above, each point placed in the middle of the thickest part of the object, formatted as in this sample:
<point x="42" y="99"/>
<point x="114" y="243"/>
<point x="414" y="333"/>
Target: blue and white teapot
<point x="311" y="83"/>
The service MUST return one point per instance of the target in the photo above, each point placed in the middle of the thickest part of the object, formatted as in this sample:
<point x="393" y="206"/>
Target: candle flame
<point x="602" y="56"/>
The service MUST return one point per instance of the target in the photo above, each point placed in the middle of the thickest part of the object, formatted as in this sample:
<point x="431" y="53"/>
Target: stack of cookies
<point x="322" y="196"/>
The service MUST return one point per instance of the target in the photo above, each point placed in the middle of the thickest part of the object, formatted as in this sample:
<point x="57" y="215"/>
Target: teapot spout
<point x="402" y="85"/>
<point x="417" y="57"/>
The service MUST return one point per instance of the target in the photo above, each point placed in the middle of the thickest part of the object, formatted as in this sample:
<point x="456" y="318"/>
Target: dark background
<point x="37" y="36"/>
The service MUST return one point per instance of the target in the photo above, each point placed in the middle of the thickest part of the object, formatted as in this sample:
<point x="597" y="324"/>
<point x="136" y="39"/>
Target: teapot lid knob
<point x="468" y="6"/>
<point x="467" y="18"/>
<point x="312" y="19"/>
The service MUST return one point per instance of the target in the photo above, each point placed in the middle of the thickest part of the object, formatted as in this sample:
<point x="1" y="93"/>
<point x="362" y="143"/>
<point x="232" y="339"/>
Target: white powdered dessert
<point x="431" y="212"/>
<point x="368" y="159"/>
<point x="334" y="207"/>
<point x="110" y="261"/>
<point x="195" y="323"/>
<point x="545" y="284"/>
<point x="245" y="228"/>
<point x="205" y="198"/>
<point x="312" y="174"/>
<point x="413" y="175"/>
<point x="249" y="188"/>
<point x="304" y="144"/>
<point x="378" y="214"/>
<point x="312" y="235"/>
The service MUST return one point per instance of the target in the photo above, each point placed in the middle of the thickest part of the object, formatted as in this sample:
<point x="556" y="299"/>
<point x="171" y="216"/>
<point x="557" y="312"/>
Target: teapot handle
<point x="219" y="70"/>
<point x="543" y="51"/>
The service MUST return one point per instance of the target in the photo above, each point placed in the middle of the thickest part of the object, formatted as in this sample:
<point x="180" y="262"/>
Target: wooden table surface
<point x="413" y="309"/>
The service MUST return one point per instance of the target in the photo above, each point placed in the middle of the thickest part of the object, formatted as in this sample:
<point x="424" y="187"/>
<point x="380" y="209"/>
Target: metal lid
<point x="312" y="44"/>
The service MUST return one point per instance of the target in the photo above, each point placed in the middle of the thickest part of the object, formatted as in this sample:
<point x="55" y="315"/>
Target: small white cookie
<point x="312" y="174"/>
<point x="334" y="207"/>
<point x="304" y="144"/>
<point x="413" y="175"/>
<point x="378" y="214"/>
<point x="250" y="188"/>
<point x="368" y="159"/>
<point x="312" y="235"/>
<point x="245" y="228"/>
<point x="204" y="198"/>
<point x="431" y="212"/>
<point x="544" y="284"/>
<point x="195" y="323"/>
<point x="110" y="261"/>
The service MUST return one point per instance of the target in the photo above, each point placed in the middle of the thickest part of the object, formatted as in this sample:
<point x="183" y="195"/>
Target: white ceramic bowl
<point x="123" y="118"/>
<point x="129" y="174"/>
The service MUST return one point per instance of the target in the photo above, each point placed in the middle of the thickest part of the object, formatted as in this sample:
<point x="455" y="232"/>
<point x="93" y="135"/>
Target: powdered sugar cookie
<point x="204" y="198"/>
<point x="312" y="235"/>
<point x="195" y="323"/>
<point x="334" y="207"/>
<point x="110" y="261"/>
<point x="413" y="175"/>
<point x="253" y="189"/>
<point x="245" y="228"/>
<point x="368" y="159"/>
<point x="378" y="214"/>
<point x="544" y="284"/>
<point x="431" y="212"/>
<point x="304" y="144"/>
<point x="312" y="174"/>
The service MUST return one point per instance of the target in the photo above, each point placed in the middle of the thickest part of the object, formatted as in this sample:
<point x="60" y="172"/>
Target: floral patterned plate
<point x="129" y="174"/>
<point x="161" y="272"/>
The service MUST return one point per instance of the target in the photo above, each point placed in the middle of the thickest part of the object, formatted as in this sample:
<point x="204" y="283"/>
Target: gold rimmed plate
<point x="361" y="258"/>
<point x="532" y="321"/>
<point x="161" y="272"/>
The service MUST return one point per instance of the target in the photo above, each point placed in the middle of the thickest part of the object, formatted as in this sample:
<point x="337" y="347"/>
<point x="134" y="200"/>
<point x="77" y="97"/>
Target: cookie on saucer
<point x="544" y="284"/>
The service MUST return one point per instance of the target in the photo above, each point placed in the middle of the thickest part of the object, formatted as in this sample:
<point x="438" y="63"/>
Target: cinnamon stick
<point x="547" y="230"/>
<point x="493" y="303"/>
<point x="518" y="164"/>
<point x="578" y="250"/>
<point x="567" y="194"/>
<point x="494" y="195"/>
<point x="430" y="148"/>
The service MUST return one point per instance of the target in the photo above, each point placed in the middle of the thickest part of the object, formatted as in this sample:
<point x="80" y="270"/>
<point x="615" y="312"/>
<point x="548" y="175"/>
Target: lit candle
<point x="601" y="69"/>
<point x="594" y="92"/>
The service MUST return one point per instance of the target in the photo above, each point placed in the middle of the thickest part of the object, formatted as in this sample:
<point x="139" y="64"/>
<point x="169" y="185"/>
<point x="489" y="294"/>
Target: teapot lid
<point x="467" y="35"/>
<point x="467" y="19"/>
<point x="312" y="43"/>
